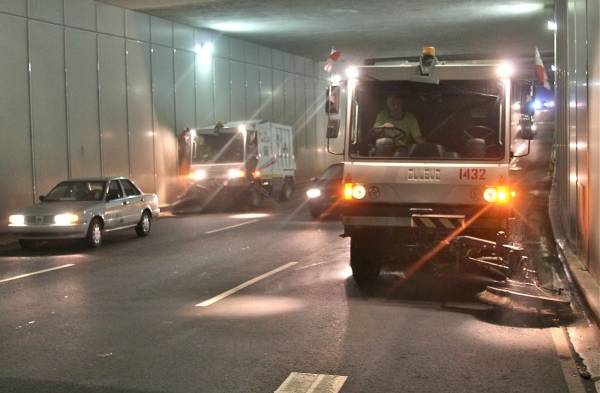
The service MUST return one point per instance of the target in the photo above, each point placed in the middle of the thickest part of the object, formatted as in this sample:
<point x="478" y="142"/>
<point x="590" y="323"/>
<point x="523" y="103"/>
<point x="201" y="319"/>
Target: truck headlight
<point x="235" y="173"/>
<point x="313" y="193"/>
<point x="354" y="191"/>
<point x="200" y="174"/>
<point x="65" y="219"/>
<point x="16" y="219"/>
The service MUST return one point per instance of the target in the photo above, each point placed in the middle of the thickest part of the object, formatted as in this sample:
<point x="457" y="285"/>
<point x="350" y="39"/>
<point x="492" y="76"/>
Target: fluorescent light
<point x="552" y="25"/>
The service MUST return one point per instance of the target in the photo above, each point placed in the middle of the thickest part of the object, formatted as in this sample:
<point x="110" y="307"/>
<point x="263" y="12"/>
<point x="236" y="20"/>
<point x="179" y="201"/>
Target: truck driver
<point x="395" y="123"/>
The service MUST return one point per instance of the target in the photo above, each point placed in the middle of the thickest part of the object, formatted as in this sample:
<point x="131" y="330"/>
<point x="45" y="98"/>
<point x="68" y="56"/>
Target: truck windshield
<point x="226" y="147"/>
<point x="455" y="120"/>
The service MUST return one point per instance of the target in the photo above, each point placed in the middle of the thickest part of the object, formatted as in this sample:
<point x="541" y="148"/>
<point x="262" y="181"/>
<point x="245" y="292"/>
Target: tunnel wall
<point x="577" y="184"/>
<point x="90" y="89"/>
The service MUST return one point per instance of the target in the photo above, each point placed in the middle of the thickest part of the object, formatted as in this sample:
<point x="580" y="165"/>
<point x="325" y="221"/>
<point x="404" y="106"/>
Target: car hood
<point x="50" y="208"/>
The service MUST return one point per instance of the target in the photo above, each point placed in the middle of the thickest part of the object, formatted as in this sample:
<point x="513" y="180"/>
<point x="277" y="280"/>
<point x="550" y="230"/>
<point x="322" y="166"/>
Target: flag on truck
<point x="333" y="57"/>
<point x="541" y="76"/>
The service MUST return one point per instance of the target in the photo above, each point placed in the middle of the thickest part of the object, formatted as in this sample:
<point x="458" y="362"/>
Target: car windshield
<point x="76" y="191"/>
<point x="219" y="148"/>
<point x="455" y="120"/>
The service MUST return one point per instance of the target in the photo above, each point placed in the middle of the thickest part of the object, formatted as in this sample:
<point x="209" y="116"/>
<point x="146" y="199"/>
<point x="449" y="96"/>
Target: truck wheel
<point x="364" y="259"/>
<point x="255" y="199"/>
<point x="287" y="190"/>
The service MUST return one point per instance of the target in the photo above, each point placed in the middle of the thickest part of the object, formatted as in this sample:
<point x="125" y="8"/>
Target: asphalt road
<point x="126" y="317"/>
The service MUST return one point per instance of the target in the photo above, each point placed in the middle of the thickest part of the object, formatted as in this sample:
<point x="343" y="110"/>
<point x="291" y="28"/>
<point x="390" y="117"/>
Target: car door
<point x="133" y="202"/>
<point x="114" y="215"/>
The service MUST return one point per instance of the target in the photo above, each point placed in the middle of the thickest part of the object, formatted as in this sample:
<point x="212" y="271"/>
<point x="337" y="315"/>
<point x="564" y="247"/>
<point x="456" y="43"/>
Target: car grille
<point x="39" y="220"/>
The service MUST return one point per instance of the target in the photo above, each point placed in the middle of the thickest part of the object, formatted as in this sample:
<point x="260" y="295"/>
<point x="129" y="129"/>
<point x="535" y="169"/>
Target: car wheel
<point x="145" y="225"/>
<point x="286" y="191"/>
<point x="94" y="234"/>
<point x="27" y="244"/>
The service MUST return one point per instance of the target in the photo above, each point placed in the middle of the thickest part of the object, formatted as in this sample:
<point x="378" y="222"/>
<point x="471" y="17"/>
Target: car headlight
<point x="235" y="173"/>
<point x="65" y="219"/>
<point x="200" y="174"/>
<point x="313" y="193"/>
<point x="16" y="219"/>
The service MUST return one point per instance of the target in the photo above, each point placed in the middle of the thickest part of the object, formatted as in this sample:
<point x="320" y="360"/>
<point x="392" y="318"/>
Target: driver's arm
<point x="380" y="120"/>
<point x="415" y="131"/>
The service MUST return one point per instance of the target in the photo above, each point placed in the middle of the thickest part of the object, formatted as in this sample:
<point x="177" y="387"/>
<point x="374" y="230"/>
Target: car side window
<point x="114" y="190"/>
<point x="130" y="188"/>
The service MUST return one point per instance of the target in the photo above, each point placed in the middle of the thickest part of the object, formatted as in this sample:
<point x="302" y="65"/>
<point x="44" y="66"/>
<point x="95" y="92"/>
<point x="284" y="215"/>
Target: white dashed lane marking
<point x="311" y="383"/>
<point x="223" y="295"/>
<point x="231" y="227"/>
<point x="37" y="272"/>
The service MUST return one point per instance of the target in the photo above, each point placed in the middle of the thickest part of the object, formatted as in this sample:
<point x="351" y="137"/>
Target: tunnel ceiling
<point x="361" y="28"/>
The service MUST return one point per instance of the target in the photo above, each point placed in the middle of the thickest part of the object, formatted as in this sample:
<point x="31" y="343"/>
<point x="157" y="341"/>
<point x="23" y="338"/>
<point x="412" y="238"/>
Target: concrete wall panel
<point x="164" y="122"/>
<point x="15" y="149"/>
<point x="137" y="25"/>
<point x="289" y="98"/>
<point x="113" y="106"/>
<point x="252" y="92"/>
<point x="222" y="90"/>
<point x="265" y="58"/>
<point x="277" y="59"/>
<point x="205" y="90"/>
<point x="238" y="91"/>
<point x="46" y="10"/>
<point x="161" y="31"/>
<point x="139" y="105"/>
<point x="236" y="49"/>
<point x="110" y="19"/>
<point x="183" y="37"/>
<point x="82" y="103"/>
<point x="48" y="104"/>
<point x="81" y="14"/>
<point x="278" y="97"/>
<point x="251" y="53"/>
<point x="17" y="7"/>
<point x="266" y="93"/>
<point x="185" y="98"/>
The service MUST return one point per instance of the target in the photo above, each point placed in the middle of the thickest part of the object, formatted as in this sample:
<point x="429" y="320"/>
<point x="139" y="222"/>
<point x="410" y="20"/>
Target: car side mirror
<point x="41" y="198"/>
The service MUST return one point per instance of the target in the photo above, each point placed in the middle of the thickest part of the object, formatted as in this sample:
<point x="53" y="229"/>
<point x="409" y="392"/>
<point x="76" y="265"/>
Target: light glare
<point x="17" y="219"/>
<point x="352" y="72"/>
<point x="552" y="25"/>
<point x="505" y="70"/>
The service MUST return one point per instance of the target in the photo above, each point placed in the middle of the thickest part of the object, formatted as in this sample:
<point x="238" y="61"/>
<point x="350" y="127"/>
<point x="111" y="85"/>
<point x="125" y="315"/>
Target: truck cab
<point x="415" y="178"/>
<point x="239" y="162"/>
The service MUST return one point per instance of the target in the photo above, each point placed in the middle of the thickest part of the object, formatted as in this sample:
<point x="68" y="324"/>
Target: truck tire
<point x="254" y="199"/>
<point x="286" y="190"/>
<point x="365" y="258"/>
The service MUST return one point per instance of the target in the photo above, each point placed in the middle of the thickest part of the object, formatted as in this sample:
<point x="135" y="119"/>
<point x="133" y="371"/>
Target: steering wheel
<point x="394" y="139"/>
<point x="484" y="132"/>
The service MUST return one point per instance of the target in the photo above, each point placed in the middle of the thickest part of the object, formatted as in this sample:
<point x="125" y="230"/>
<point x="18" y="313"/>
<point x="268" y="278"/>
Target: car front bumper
<point x="49" y="232"/>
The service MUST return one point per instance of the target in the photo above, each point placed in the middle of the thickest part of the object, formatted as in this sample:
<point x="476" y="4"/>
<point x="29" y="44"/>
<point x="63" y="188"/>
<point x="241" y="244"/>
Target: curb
<point x="585" y="283"/>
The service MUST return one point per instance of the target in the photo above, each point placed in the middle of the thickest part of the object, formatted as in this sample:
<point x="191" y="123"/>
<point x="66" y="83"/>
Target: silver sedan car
<point x="85" y="209"/>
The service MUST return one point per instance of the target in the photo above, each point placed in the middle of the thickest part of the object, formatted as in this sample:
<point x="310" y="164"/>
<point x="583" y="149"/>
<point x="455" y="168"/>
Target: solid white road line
<point x="38" y="272"/>
<point x="223" y="295"/>
<point x="567" y="364"/>
<point x="231" y="226"/>
<point x="311" y="383"/>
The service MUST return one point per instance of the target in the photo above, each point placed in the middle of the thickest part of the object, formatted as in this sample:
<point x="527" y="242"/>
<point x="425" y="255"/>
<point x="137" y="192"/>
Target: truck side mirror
<point x="332" y="105"/>
<point x="333" y="128"/>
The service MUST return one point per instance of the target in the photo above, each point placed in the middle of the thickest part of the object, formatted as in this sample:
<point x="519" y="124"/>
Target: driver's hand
<point x="388" y="125"/>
